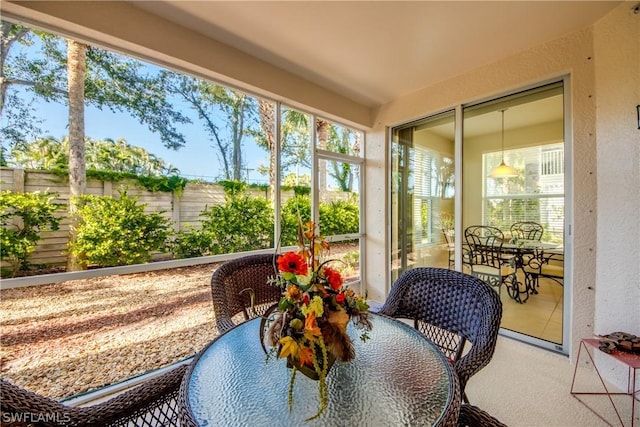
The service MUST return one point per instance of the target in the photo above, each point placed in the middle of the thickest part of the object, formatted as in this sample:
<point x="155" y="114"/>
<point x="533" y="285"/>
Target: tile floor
<point x="540" y="316"/>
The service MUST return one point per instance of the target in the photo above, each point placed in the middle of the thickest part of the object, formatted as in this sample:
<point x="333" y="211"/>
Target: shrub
<point x="297" y="206"/>
<point x="18" y="239"/>
<point x="117" y="231"/>
<point x="339" y="217"/>
<point x="242" y="223"/>
<point x="191" y="243"/>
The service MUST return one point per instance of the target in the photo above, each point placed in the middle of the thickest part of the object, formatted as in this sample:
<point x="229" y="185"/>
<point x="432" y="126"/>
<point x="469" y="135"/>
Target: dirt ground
<point x="70" y="337"/>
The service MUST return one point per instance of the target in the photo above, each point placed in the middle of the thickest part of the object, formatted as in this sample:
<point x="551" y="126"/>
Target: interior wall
<point x="474" y="148"/>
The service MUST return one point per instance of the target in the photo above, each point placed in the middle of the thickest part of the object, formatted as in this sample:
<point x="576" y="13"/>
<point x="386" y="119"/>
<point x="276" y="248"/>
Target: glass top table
<point x="398" y="377"/>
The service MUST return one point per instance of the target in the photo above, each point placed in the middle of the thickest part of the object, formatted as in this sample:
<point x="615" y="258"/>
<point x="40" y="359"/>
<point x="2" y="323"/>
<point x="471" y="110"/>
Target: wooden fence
<point x="183" y="209"/>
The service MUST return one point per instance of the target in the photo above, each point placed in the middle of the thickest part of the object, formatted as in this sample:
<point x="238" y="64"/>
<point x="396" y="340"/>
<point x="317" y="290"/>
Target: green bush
<point x="191" y="243"/>
<point x="297" y="206"/>
<point x="18" y="239"/>
<point x="242" y="223"/>
<point x="116" y="232"/>
<point x="339" y="217"/>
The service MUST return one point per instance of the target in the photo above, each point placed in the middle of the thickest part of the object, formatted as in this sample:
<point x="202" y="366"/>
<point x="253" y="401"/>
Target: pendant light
<point x="502" y="170"/>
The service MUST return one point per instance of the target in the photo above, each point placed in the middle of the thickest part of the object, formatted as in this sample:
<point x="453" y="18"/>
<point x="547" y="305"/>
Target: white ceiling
<point x="376" y="51"/>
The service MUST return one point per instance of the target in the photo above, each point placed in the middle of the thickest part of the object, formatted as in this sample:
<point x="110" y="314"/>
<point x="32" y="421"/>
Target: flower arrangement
<point x="310" y="326"/>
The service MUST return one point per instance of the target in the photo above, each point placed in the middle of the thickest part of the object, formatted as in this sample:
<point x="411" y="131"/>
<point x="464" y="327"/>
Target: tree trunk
<point x="322" y="129"/>
<point x="76" y="68"/>
<point x="267" y="119"/>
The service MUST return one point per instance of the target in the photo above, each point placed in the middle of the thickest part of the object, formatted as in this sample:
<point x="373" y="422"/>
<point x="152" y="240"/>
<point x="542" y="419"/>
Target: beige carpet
<point x="527" y="386"/>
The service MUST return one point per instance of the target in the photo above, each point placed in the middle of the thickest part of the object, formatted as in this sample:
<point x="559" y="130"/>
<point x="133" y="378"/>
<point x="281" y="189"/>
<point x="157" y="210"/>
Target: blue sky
<point x="197" y="159"/>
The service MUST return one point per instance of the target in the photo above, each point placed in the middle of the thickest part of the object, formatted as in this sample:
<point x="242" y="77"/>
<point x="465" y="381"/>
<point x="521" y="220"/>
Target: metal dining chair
<point x="452" y="309"/>
<point x="240" y="289"/>
<point x="489" y="262"/>
<point x="151" y="404"/>
<point x="527" y="230"/>
<point x="546" y="264"/>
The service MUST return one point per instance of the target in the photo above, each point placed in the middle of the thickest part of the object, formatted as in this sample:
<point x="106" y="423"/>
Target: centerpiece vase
<point x="310" y="371"/>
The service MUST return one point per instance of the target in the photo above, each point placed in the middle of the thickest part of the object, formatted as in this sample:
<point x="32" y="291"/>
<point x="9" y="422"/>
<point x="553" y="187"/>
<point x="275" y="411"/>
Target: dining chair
<point x="527" y="230"/>
<point x="449" y="238"/>
<point x="472" y="416"/>
<point x="154" y="403"/>
<point x="489" y="262"/>
<point x="240" y="289"/>
<point x="452" y="309"/>
<point x="547" y="264"/>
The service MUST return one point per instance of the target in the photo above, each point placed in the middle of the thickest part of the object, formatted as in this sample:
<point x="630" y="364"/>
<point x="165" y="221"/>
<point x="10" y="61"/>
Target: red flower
<point x="292" y="262"/>
<point x="340" y="298"/>
<point x="333" y="277"/>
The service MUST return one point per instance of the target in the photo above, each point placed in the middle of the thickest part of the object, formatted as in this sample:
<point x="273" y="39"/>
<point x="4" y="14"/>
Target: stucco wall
<point x="617" y="70"/>
<point x="603" y="147"/>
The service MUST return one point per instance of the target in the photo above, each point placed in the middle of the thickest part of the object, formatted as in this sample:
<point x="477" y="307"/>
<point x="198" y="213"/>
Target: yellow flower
<point x="316" y="306"/>
<point x="289" y="347"/>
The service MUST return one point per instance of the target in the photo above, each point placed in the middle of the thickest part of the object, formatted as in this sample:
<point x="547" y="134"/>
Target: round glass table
<point x="398" y="377"/>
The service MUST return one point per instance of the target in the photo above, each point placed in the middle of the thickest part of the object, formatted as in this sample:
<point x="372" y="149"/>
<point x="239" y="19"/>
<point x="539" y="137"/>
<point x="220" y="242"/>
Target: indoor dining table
<point x="520" y="250"/>
<point x="398" y="378"/>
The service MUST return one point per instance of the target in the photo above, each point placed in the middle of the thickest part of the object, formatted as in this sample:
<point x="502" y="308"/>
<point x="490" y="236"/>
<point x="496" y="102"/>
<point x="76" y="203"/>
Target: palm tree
<point x="76" y="70"/>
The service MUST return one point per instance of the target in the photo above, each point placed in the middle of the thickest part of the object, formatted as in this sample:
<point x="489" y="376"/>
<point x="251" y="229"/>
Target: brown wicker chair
<point x="152" y="403"/>
<point x="240" y="286"/>
<point x="472" y="416"/>
<point x="450" y="308"/>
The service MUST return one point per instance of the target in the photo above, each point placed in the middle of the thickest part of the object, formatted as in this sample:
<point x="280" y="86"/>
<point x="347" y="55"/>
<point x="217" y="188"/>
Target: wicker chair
<point x="240" y="286"/>
<point x="472" y="416"/>
<point x="450" y="308"/>
<point x="152" y="403"/>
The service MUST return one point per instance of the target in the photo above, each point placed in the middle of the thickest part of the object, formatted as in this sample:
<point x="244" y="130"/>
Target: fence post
<point x="107" y="188"/>
<point x="18" y="180"/>
<point x="175" y="211"/>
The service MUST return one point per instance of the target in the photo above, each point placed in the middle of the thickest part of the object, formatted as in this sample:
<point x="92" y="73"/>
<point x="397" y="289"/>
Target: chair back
<point x="451" y="308"/>
<point x="485" y="245"/>
<point x="154" y="402"/>
<point x="527" y="230"/>
<point x="241" y="287"/>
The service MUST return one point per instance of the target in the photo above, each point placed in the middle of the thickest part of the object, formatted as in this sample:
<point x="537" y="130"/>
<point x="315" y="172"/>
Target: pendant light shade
<point x="503" y="170"/>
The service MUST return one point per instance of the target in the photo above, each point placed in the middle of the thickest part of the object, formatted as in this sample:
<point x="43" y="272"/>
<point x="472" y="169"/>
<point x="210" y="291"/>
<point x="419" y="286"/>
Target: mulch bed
<point x="70" y="337"/>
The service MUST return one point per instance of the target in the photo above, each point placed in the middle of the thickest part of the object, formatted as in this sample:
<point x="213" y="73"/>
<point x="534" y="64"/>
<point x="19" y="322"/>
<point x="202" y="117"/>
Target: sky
<point x="197" y="159"/>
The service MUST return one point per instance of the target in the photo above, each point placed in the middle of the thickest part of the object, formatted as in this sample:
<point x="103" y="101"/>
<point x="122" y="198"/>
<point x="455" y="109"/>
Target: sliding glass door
<point x="525" y="131"/>
<point x="422" y="194"/>
<point x="522" y="134"/>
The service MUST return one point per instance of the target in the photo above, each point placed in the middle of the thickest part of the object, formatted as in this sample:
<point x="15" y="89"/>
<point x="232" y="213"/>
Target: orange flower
<point x="293" y="293"/>
<point x="333" y="277"/>
<point x="311" y="328"/>
<point x="306" y="356"/>
<point x="291" y="262"/>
